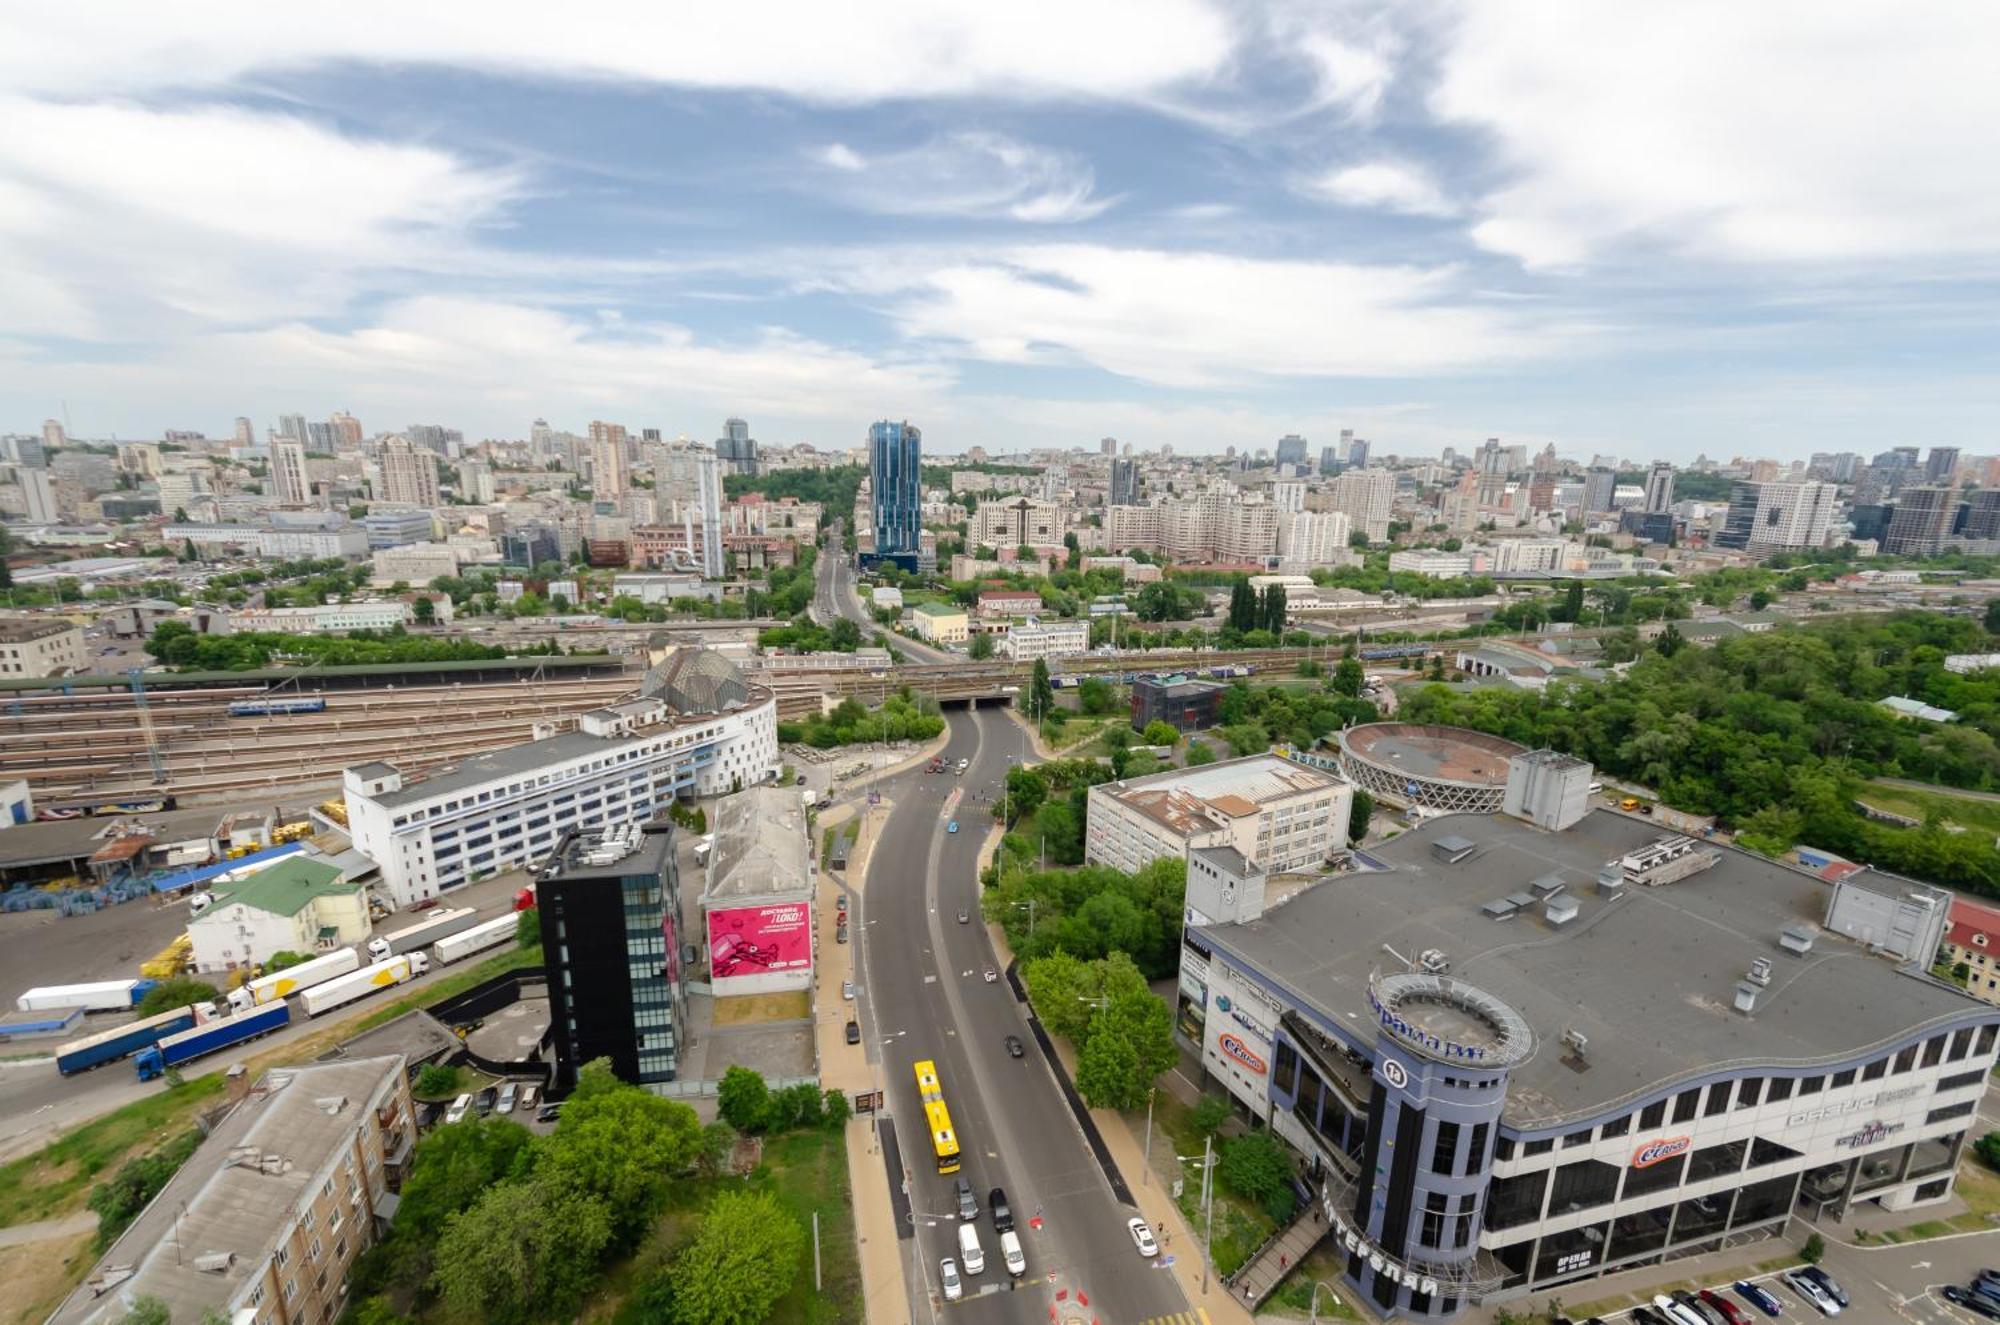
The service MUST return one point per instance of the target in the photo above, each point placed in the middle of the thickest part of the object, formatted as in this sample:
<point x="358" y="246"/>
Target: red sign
<point x="1233" y="1047"/>
<point x="1654" y="1152"/>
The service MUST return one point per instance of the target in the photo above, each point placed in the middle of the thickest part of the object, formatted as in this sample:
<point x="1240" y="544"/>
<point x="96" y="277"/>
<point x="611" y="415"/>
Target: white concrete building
<point x="1280" y="815"/>
<point x="41" y="646"/>
<point x="1314" y="538"/>
<point x="1367" y="497"/>
<point x="757" y="894"/>
<point x="415" y="563"/>
<point x="290" y="905"/>
<point x="1035" y="638"/>
<point x="327" y="618"/>
<point x="1437" y="564"/>
<point x="698" y="729"/>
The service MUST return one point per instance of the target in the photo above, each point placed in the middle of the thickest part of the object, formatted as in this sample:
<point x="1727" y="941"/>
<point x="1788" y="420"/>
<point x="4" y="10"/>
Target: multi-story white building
<point x="1278" y="814"/>
<point x="324" y="619"/>
<point x="697" y="729"/>
<point x="1437" y="564"/>
<point x="1035" y="638"/>
<point x="1367" y="496"/>
<point x="289" y="480"/>
<point x="1313" y="538"/>
<point x="1512" y="555"/>
<point x="409" y="474"/>
<point x="941" y="623"/>
<point x="41" y="646"/>
<point x="274" y="543"/>
<point x="416" y="563"/>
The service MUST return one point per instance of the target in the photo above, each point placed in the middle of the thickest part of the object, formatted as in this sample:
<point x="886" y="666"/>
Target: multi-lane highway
<point x="925" y="995"/>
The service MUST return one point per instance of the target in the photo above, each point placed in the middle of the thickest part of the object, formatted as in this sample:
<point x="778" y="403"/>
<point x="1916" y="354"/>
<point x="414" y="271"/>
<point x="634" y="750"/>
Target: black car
<point x="854" y="1032"/>
<point x="486" y="1099"/>
<point x="1003" y="1214"/>
<point x="1645" y="1316"/>
<point x="1014" y="1049"/>
<point x="548" y="1113"/>
<point x="1974" y="1302"/>
<point x="1826" y="1281"/>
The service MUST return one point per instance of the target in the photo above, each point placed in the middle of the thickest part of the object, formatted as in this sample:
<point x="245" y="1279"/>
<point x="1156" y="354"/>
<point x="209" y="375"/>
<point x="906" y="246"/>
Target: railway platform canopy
<point x="344" y="677"/>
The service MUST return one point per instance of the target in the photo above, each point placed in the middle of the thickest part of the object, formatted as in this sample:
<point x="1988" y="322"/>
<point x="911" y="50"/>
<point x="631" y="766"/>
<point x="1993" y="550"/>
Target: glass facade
<point x="895" y="481"/>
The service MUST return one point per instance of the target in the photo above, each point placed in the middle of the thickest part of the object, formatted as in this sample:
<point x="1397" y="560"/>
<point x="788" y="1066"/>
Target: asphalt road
<point x="924" y="996"/>
<point x="834" y="597"/>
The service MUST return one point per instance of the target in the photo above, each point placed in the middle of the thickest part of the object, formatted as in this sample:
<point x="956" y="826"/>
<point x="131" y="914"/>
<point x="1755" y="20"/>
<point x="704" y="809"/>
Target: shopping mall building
<point x="1525" y="1049"/>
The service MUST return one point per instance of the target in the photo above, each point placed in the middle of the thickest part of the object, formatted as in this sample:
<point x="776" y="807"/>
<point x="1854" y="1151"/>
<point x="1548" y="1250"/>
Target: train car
<point x="276" y="708"/>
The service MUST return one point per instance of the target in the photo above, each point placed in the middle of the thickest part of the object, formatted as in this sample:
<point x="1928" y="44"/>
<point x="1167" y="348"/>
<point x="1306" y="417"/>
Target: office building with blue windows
<point x="896" y="488"/>
<point x="1518" y="1056"/>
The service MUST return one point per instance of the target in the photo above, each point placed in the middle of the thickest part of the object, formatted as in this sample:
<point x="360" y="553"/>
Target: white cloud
<point x="1788" y="131"/>
<point x="965" y="174"/>
<point x="113" y="216"/>
<point x="1209" y="319"/>
<point x="886" y="50"/>
<point x="1391" y="186"/>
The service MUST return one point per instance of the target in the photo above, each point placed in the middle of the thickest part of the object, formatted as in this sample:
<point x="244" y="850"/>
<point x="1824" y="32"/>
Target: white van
<point x="969" y="1251"/>
<point x="458" y="1108"/>
<point x="1010" y="1252"/>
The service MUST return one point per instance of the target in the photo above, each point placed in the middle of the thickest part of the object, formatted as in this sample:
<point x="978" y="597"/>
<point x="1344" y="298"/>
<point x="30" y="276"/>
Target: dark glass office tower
<point x="610" y="904"/>
<point x="895" y="482"/>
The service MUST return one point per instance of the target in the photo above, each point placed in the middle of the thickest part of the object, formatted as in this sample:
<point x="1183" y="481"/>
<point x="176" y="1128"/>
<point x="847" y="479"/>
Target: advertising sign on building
<point x="759" y="940"/>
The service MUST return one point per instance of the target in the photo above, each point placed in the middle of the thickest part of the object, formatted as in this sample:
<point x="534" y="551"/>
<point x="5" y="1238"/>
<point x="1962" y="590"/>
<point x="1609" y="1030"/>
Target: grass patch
<point x="1240" y="1226"/>
<point x="55" y="1180"/>
<point x="1294" y="1296"/>
<point x="1964" y="811"/>
<point x="755" y="1009"/>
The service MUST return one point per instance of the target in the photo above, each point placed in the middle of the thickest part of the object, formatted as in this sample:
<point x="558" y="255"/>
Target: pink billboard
<point x="757" y="940"/>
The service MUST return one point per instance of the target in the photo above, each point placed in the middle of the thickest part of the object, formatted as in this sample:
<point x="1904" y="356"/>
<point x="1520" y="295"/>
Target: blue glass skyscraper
<point x="895" y="480"/>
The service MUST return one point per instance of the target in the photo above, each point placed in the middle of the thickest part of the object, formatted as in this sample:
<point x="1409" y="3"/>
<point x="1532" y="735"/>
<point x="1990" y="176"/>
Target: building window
<point x="1845" y="1077"/>
<point x="1684" y="1104"/>
<point x="1582" y="1185"/>
<point x="1811" y="1085"/>
<point x="1445" y="1149"/>
<point x="1659" y="1177"/>
<point x="1619" y="1126"/>
<point x="1906" y="1058"/>
<point x="1950" y="1111"/>
<point x="1577" y="1138"/>
<point x="1781" y="1089"/>
<point x="1934" y="1051"/>
<point x="1719" y="1096"/>
<point x="1876" y="1070"/>
<point x="1511" y="1202"/>
<point x="1652" y="1115"/>
<point x="1746" y="1092"/>
<point x="1764" y="1152"/>
<point x="1475" y="1152"/>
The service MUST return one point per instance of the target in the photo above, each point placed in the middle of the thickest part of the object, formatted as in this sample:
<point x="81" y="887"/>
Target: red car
<point x="1723" y="1307"/>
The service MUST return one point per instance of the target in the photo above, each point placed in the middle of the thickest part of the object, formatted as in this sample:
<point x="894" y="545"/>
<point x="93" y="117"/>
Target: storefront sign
<point x="1415" y="1034"/>
<point x="1576" y="1260"/>
<point x="1233" y="1047"/>
<point x="1860" y="1105"/>
<point x="1385" y="1265"/>
<point x="1868" y="1135"/>
<point x="1654" y="1152"/>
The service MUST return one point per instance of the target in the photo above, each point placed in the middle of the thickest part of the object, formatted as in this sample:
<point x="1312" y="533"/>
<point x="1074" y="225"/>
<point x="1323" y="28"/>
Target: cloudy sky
<point x="1634" y="228"/>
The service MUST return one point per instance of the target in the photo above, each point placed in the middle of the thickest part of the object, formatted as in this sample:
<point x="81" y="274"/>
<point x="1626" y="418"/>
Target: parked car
<point x="1675" y="1312"/>
<point x="1723" y="1307"/>
<point x="548" y="1113"/>
<point x="854" y="1032"/>
<point x="510" y="1094"/>
<point x="1759" y="1297"/>
<point x="840" y="935"/>
<point x="458" y="1108"/>
<point x="1827" y="1283"/>
<point x="951" y="827"/>
<point x="968" y="1202"/>
<point x="964" y="916"/>
<point x="1142" y="1237"/>
<point x="954" y="1287"/>
<point x="847" y="990"/>
<point x="486" y="1100"/>
<point x="1014" y="1049"/>
<point x="1976" y="1303"/>
<point x="1003" y="1214"/>
<point x="1692" y="1311"/>
<point x="1809" y="1289"/>
<point x="529" y="1094"/>
<point x="1647" y="1316"/>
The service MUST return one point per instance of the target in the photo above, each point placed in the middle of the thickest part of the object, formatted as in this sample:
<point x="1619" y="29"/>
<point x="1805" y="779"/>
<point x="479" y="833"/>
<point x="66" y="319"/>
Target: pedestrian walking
<point x="1284" y="1261"/>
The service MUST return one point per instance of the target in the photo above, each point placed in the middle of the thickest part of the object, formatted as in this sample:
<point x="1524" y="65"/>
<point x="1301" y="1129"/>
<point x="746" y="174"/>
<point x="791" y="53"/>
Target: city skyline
<point x="1428" y="226"/>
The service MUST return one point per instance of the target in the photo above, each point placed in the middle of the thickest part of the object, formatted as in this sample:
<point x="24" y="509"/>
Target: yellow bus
<point x="944" y="1141"/>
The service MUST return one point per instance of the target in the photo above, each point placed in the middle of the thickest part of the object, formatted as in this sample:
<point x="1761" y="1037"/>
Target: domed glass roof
<point x="698" y="681"/>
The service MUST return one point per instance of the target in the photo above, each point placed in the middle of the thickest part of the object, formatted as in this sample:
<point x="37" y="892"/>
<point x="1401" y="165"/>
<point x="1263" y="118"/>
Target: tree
<point x="1210" y="1114"/>
<point x="528" y="928"/>
<point x="1199" y="752"/>
<point x="176" y="993"/>
<point x="1096" y="698"/>
<point x="1814" y="1248"/>
<point x="1060" y="987"/>
<point x="1041" y="693"/>
<point x="1348" y="678"/>
<point x="743" y="1099"/>
<point x="282" y="959"/>
<point x="1160" y="732"/>
<point x="1670" y="641"/>
<point x="453" y="1166"/>
<point x="435" y="1081"/>
<point x="718" y="1143"/>
<point x="1271" y="615"/>
<point x="1242" y="606"/>
<point x="1106" y="1067"/>
<point x="118" y="1200"/>
<point x="424" y="610"/>
<point x="741" y="1261"/>
<point x="1988" y="1150"/>
<point x="1254" y="1167"/>
<point x="980" y="647"/>
<point x="1027" y="789"/>
<point x="621" y="1145"/>
<point x="526" y="1250"/>
<point x="1992" y="617"/>
<point x="148" y="1310"/>
<point x="1358" y="817"/>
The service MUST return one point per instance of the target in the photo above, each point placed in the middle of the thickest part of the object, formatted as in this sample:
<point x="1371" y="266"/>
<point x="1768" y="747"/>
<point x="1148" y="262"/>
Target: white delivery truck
<point x="100" y="996"/>
<point x="345" y="989"/>
<point x="443" y="924"/>
<point x="970" y="1254"/>
<point x="499" y="930"/>
<point x="1010" y="1252"/>
<point x="285" y="983"/>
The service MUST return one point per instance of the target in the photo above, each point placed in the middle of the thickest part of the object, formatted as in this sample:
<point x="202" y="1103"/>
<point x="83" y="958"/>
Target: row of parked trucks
<point x="268" y="1003"/>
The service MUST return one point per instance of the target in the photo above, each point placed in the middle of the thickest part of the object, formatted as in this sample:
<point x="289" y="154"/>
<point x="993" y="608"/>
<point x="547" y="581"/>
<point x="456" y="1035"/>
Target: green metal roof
<point x="939" y="609"/>
<point x="287" y="887"/>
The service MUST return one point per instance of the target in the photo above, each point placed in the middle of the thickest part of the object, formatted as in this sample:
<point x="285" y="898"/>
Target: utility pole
<point x="1208" y="1209"/>
<point x="1146" y="1173"/>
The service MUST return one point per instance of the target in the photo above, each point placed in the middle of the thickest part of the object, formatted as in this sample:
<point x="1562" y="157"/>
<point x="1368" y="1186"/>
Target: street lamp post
<point x="1318" y="1285"/>
<point x="1207" y="1199"/>
<point x="1146" y="1173"/>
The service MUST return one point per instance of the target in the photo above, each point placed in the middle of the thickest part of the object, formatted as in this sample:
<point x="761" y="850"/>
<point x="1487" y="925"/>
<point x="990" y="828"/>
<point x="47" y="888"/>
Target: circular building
<point x="1445" y="770"/>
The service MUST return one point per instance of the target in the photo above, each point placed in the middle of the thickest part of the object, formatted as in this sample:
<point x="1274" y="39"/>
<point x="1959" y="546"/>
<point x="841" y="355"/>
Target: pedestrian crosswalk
<point x="1198" y="1316"/>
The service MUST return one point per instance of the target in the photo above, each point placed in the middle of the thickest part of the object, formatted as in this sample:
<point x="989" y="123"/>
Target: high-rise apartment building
<point x="610" y="470"/>
<point x="1600" y="488"/>
<point x="1312" y="538"/>
<point x="737" y="449"/>
<point x="346" y="429"/>
<point x="1940" y="465"/>
<point x="609" y="902"/>
<point x="39" y="487"/>
<point x="476" y="480"/>
<point x="1772" y="517"/>
<point x="1107" y="446"/>
<point x="409" y="474"/>
<point x="1982" y="516"/>
<point x="246" y="432"/>
<point x="1367" y="496"/>
<point x="322" y="437"/>
<point x="895" y="480"/>
<point x="292" y="426"/>
<point x="1291" y="449"/>
<point x="1329" y="462"/>
<point x="290" y="483"/>
<point x="53" y="435"/>
<point x="1660" y="487"/>
<point x="1922" y="522"/>
<point x="708" y="489"/>
<point x="1124" y="482"/>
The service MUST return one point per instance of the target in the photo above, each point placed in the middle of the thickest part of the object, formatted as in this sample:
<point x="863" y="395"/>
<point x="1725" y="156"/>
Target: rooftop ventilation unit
<point x="1451" y="850"/>
<point x="1760" y="973"/>
<point x="1500" y="908"/>
<point x="1547" y="884"/>
<point x="1575" y="1041"/>
<point x="1746" y="997"/>
<point x="1797" y="939"/>
<point x="1611" y="881"/>
<point x="1561" y="909"/>
<point x="1432" y="961"/>
<point x="215" y="1262"/>
<point x="330" y="1105"/>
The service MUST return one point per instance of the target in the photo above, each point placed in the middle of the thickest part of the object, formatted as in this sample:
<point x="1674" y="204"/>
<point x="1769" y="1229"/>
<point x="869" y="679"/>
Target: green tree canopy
<point x="741" y="1261"/>
<point x="621" y="1145"/>
<point x="524" y="1251"/>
